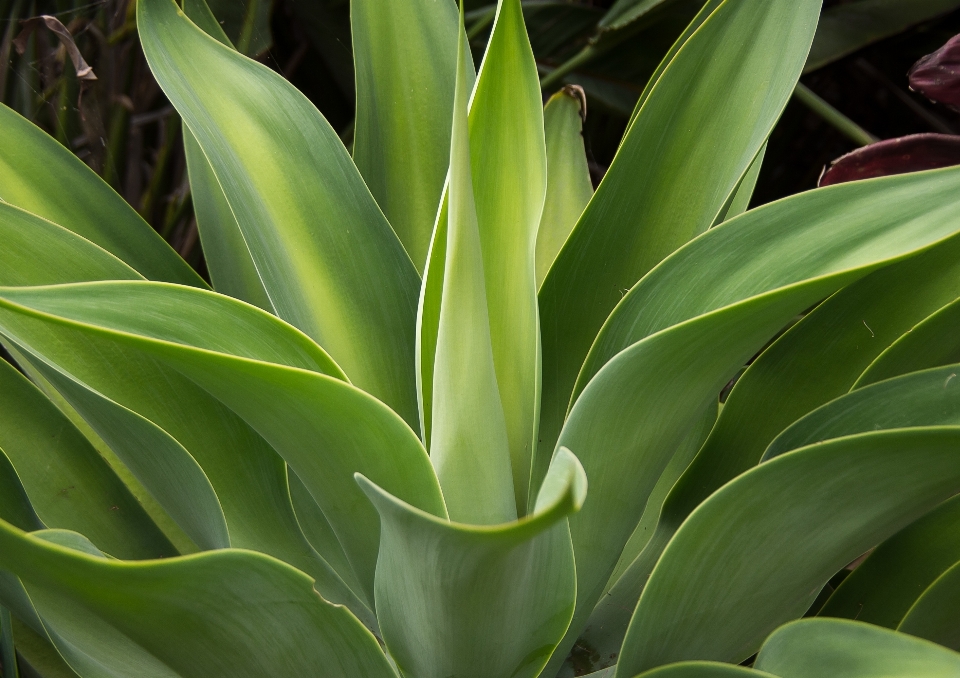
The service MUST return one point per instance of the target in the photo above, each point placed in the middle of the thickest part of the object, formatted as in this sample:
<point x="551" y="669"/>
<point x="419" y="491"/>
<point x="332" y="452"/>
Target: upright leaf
<point x="466" y="601"/>
<point x="568" y="178"/>
<point x="508" y="170"/>
<point x="405" y="55"/>
<point x="666" y="185"/>
<point x="328" y="259"/>
<point x="468" y="446"/>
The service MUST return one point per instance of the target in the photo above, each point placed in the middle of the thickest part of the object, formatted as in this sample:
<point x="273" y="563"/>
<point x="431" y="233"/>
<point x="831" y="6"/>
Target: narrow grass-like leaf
<point x="884" y="587"/>
<point x="812" y="648"/>
<point x="665" y="186"/>
<point x="327" y="257"/>
<point x="469" y="601"/>
<point x="39" y="175"/>
<point x="702" y="314"/>
<point x="405" y="55"/>
<point x="568" y="177"/>
<point x="758" y="551"/>
<point x="278" y="625"/>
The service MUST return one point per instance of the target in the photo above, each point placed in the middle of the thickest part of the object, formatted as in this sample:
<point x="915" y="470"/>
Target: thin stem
<point x="838" y="120"/>
<point x="577" y="60"/>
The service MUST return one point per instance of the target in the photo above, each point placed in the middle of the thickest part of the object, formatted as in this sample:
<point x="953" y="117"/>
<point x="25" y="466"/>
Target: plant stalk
<point x="838" y="120"/>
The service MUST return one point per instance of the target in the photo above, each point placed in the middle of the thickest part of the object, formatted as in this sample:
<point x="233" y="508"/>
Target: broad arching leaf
<point x="665" y="185"/>
<point x="758" y="551"/>
<point x="813" y="648"/>
<point x="277" y="623"/>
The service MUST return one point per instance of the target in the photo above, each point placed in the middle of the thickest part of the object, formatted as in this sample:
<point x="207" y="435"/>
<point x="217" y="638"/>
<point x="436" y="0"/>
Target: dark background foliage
<point x="124" y="128"/>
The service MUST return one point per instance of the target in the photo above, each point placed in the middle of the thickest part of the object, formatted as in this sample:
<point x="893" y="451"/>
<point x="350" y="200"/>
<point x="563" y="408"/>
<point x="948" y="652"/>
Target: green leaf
<point x="190" y="426"/>
<point x="278" y="625"/>
<point x="227" y="256"/>
<point x="8" y="653"/>
<point x="812" y="648"/>
<point x="266" y="372"/>
<point x="37" y="654"/>
<point x="934" y="615"/>
<point x="928" y="398"/>
<point x="39" y="175"/>
<point x="757" y="552"/>
<point x="702" y="670"/>
<point x="15" y="506"/>
<point x="686" y="329"/>
<point x="850" y="26"/>
<point x="463" y="600"/>
<point x="665" y="185"/>
<point x="508" y="171"/>
<point x="70" y="486"/>
<point x="405" y="55"/>
<point x="882" y="588"/>
<point x="797" y="374"/>
<point x="468" y="446"/>
<point x="568" y="178"/>
<point x="246" y="23"/>
<point x="934" y="341"/>
<point x="740" y="199"/>
<point x="327" y="257"/>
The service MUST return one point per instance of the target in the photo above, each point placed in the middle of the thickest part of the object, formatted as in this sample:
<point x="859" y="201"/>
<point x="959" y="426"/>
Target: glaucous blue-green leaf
<point x="928" y="398"/>
<point x="508" y="170"/>
<point x="665" y="186"/>
<point x="277" y="623"/>
<point x="469" y="446"/>
<point x="210" y="467"/>
<point x="795" y="375"/>
<point x="884" y="587"/>
<point x="474" y="601"/>
<point x="934" y="615"/>
<point x="68" y="482"/>
<point x="569" y="188"/>
<point x="405" y="55"/>
<point x="687" y="328"/>
<point x="275" y="379"/>
<point x="328" y="259"/>
<point x="757" y="552"/>
<point x="932" y="342"/>
<point x="39" y="175"/>
<point x="812" y="648"/>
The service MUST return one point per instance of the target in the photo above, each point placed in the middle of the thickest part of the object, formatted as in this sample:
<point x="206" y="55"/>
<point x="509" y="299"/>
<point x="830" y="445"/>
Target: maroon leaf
<point x="937" y="75"/>
<point x="894" y="156"/>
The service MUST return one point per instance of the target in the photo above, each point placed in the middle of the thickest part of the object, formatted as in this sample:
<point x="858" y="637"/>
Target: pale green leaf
<point x="467" y="601"/>
<point x="702" y="670"/>
<point x="568" y="178"/>
<point x="405" y="55"/>
<point x="329" y="262"/>
<point x="39" y="175"/>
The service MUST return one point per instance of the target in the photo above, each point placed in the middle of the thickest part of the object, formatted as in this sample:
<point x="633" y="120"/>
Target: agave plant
<point x="367" y="452"/>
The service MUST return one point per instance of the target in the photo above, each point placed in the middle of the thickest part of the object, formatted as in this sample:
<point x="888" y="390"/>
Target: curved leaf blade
<point x="934" y="615"/>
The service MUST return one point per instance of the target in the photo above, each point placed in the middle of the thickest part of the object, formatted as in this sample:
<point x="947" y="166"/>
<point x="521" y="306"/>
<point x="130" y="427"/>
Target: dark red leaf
<point x="894" y="156"/>
<point x="937" y="75"/>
